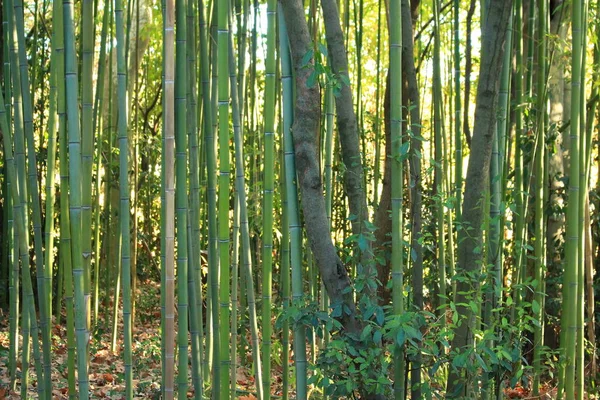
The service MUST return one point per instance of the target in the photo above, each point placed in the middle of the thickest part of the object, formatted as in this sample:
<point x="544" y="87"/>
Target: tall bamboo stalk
<point x="269" y="176"/>
<point x="439" y="178"/>
<point x="44" y="297"/>
<point x="50" y="193"/>
<point x="539" y="173"/>
<point x="87" y="146"/>
<point x="181" y="206"/>
<point x="124" y="216"/>
<point x="293" y="212"/>
<point x="12" y="249"/>
<point x="223" y="207"/>
<point x="74" y="139"/>
<point x="240" y="187"/>
<point x="98" y="126"/>
<point x="397" y="179"/>
<point x="458" y="142"/>
<point x="194" y="273"/>
<point x="569" y="339"/>
<point x="210" y="154"/>
<point x="28" y="314"/>
<point x="168" y="209"/>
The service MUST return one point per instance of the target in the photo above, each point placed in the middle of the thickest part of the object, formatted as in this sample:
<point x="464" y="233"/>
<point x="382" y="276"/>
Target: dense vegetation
<point x="352" y="199"/>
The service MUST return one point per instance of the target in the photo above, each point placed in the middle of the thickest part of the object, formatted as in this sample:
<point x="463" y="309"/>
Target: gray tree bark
<point x="477" y="182"/>
<point x="305" y="132"/>
<point x="346" y="118"/>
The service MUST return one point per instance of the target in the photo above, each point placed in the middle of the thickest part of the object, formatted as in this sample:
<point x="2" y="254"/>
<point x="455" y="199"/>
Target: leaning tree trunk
<point x="305" y="130"/>
<point x="346" y="118"/>
<point x="470" y="236"/>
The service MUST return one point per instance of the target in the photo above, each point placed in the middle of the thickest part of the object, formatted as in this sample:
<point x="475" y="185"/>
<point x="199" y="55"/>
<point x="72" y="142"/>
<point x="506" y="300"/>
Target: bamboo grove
<point x="299" y="199"/>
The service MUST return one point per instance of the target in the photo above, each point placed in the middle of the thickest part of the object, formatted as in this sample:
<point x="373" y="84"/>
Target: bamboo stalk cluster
<point x="290" y="174"/>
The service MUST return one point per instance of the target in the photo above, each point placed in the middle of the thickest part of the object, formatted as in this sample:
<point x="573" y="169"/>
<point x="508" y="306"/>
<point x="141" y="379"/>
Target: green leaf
<point x="377" y="337"/>
<point x="473" y="306"/>
<point x="482" y="363"/>
<point x="460" y="360"/>
<point x="307" y="57"/>
<point x="366" y="332"/>
<point x="535" y="307"/>
<point x="404" y="149"/>
<point x="363" y="243"/>
<point x="400" y="337"/>
<point x="345" y="79"/>
<point x="323" y="49"/>
<point x="312" y="79"/>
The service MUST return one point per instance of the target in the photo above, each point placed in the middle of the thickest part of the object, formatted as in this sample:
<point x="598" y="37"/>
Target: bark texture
<point x="468" y="68"/>
<point x="414" y="105"/>
<point x="305" y="130"/>
<point x="383" y="220"/>
<point x="346" y="118"/>
<point x="470" y="235"/>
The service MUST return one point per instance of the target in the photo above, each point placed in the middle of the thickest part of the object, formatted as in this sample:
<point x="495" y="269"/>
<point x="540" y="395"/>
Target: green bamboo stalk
<point x="28" y="316"/>
<point x="194" y="273"/>
<point x="569" y="339"/>
<point x="108" y="187"/>
<point x="65" y="250"/>
<point x="65" y="237"/>
<point x="285" y="284"/>
<point x="87" y="146"/>
<point x="13" y="286"/>
<point x="519" y="214"/>
<point x="328" y="148"/>
<point x="223" y="207"/>
<point x="539" y="172"/>
<point x="167" y="35"/>
<point x="590" y="115"/>
<point x="458" y="143"/>
<point x="12" y="249"/>
<point x="377" y="166"/>
<point x="243" y="13"/>
<point x="397" y="190"/>
<point x="213" y="255"/>
<point x="136" y="164"/>
<point x="293" y="212"/>
<point x="16" y="173"/>
<point x="234" y="295"/>
<point x="116" y="288"/>
<point x="181" y="206"/>
<point x="74" y="139"/>
<point x="530" y="49"/>
<point x="44" y="297"/>
<point x="113" y="254"/>
<point x="210" y="155"/>
<point x="584" y="156"/>
<point x="240" y="187"/>
<point x="439" y="179"/>
<point x="124" y="216"/>
<point x="98" y="126"/>
<point x="4" y="249"/>
<point x="50" y="196"/>
<point x="267" y="210"/>
<point x="168" y="208"/>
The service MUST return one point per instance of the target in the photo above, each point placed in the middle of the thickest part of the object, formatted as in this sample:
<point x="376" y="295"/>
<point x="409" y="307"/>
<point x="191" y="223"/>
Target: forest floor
<point x="106" y="368"/>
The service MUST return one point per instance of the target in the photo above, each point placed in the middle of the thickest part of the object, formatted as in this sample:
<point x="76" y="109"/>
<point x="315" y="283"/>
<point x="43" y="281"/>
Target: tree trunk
<point x="383" y="222"/>
<point x="346" y="118"/>
<point x="414" y="105"/>
<point x="477" y="181"/>
<point x="305" y="130"/>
